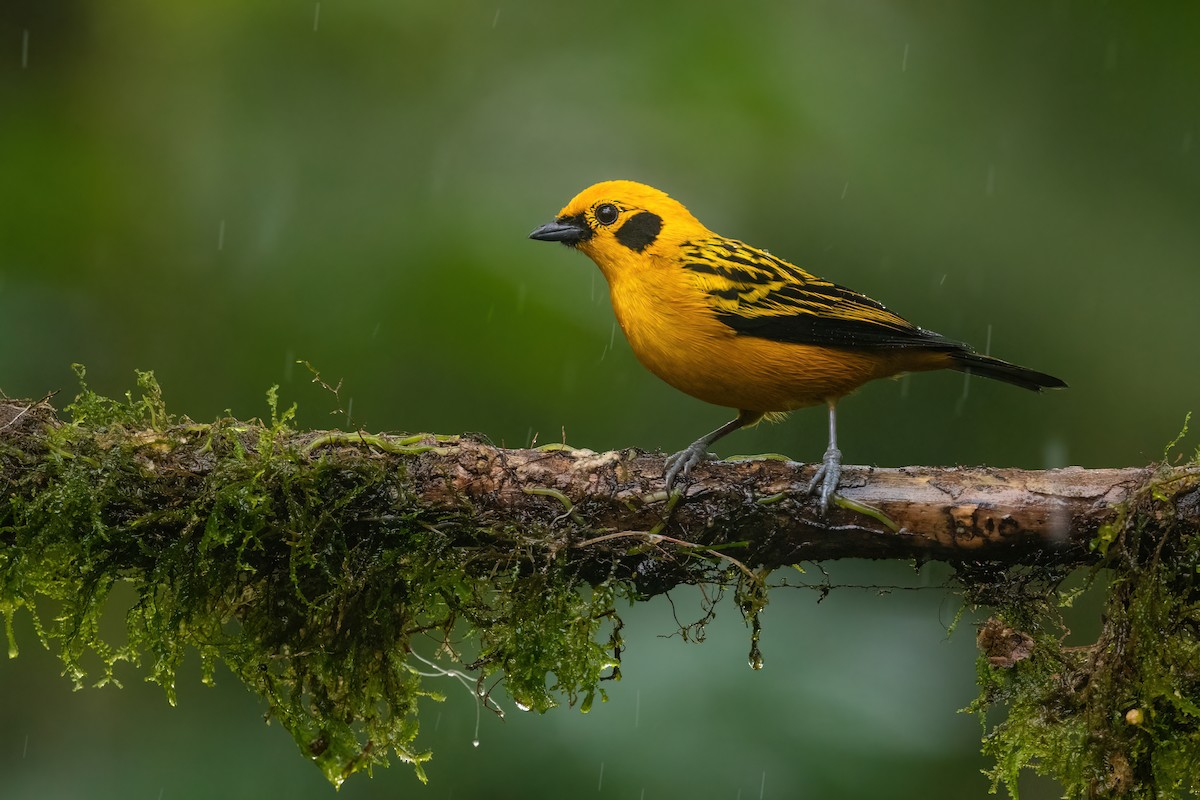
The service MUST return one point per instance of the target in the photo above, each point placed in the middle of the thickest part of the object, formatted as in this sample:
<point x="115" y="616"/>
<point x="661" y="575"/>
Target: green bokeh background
<point x="215" y="190"/>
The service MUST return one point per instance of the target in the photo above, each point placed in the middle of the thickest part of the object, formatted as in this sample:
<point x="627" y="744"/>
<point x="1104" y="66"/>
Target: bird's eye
<point x="606" y="214"/>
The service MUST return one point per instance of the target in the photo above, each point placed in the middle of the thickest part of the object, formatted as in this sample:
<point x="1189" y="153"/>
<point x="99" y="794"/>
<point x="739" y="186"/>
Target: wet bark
<point x="580" y="499"/>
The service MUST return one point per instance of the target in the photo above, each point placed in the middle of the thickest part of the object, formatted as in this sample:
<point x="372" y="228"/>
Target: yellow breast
<point x="675" y="334"/>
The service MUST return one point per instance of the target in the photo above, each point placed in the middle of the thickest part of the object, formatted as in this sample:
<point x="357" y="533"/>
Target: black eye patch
<point x="640" y="231"/>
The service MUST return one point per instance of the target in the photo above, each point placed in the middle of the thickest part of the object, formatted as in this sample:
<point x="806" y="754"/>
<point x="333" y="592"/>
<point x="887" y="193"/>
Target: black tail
<point x="996" y="369"/>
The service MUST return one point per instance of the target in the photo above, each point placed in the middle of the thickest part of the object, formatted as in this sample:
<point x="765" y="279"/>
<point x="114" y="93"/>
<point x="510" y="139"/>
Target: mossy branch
<point x="576" y="500"/>
<point x="334" y="572"/>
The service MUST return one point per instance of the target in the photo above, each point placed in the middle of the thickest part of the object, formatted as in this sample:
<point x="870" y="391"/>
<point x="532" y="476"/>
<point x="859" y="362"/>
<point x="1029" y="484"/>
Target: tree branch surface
<point x="321" y="567"/>
<point x="952" y="514"/>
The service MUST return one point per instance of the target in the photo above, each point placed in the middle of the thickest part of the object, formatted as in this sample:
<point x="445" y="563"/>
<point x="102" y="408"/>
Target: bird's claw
<point x="825" y="482"/>
<point x="680" y="464"/>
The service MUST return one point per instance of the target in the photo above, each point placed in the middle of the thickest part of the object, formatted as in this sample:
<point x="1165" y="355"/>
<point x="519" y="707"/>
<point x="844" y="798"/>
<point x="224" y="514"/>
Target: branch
<point x="343" y="575"/>
<point x="950" y="514"/>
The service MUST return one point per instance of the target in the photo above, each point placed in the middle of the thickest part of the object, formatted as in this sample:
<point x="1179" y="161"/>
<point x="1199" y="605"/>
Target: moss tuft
<point x="319" y="581"/>
<point x="1119" y="718"/>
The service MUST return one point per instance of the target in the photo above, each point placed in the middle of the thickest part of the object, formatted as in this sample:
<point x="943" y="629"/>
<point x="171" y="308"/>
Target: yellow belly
<point x="684" y="344"/>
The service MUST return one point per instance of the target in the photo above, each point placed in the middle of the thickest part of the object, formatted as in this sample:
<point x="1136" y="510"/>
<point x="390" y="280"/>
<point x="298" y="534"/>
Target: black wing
<point x="757" y="294"/>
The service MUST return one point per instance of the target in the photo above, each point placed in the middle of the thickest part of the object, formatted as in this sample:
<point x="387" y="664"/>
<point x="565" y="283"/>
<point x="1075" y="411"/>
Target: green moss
<point x="310" y="568"/>
<point x="319" y="581"/>
<point x="1120" y="717"/>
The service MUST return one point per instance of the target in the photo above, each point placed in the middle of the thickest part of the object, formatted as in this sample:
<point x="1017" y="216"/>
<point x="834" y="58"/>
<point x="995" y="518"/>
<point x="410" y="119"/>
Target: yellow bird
<point x="738" y="327"/>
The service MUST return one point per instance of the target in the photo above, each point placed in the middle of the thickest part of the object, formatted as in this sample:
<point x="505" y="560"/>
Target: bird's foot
<point x="825" y="482"/>
<point x="680" y="464"/>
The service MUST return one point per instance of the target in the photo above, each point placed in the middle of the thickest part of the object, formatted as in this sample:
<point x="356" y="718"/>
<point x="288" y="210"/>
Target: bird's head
<point x="614" y="222"/>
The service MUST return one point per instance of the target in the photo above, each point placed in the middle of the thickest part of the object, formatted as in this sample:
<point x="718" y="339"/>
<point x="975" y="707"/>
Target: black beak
<point x="568" y="231"/>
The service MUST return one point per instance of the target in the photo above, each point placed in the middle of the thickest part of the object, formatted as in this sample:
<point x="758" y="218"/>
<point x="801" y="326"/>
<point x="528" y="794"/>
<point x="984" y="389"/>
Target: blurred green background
<point x="216" y="190"/>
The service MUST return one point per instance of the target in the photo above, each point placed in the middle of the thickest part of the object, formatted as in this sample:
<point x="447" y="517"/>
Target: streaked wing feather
<point x="757" y="294"/>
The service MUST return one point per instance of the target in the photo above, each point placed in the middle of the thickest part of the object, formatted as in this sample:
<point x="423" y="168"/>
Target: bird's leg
<point x="681" y="463"/>
<point x="830" y="471"/>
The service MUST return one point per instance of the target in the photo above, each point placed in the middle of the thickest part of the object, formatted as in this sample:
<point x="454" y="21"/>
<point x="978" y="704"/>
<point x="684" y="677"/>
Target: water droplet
<point x="751" y="609"/>
<point x="521" y="706"/>
<point x="475" y="743"/>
